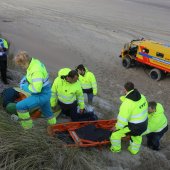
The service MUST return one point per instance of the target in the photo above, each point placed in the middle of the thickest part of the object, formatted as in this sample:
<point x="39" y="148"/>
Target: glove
<point x="81" y="111"/>
<point x="25" y="87"/>
<point x="23" y="81"/>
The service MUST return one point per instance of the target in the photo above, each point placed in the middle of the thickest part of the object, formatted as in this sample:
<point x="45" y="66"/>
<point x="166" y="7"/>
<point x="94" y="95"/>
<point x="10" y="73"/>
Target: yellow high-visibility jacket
<point x="130" y="111"/>
<point x="3" y="43"/>
<point x="66" y="93"/>
<point x="88" y="81"/>
<point x="157" y="120"/>
<point x="36" y="76"/>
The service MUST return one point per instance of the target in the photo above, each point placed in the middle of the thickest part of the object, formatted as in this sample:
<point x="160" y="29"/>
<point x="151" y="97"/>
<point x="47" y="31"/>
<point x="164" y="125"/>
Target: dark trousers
<point x="90" y="98"/>
<point x="68" y="109"/>
<point x="153" y="139"/>
<point x="3" y="68"/>
<point x="90" y="95"/>
<point x="71" y="110"/>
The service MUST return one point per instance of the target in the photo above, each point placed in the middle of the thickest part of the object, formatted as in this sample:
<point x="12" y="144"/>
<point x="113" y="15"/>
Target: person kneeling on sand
<point x="132" y="120"/>
<point x="157" y="125"/>
<point x="37" y="83"/>
<point x="67" y="93"/>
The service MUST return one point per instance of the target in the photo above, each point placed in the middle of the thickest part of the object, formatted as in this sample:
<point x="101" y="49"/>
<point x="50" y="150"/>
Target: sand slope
<point x="64" y="33"/>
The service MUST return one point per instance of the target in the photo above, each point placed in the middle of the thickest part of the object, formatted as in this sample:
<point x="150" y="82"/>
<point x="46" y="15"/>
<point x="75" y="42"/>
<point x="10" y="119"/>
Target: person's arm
<point x="54" y="97"/>
<point x="80" y="96"/>
<point x="93" y="83"/>
<point x="123" y="116"/>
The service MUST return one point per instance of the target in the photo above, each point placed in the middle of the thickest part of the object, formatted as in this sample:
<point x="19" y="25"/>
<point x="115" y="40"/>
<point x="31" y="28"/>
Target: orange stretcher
<point x="73" y="130"/>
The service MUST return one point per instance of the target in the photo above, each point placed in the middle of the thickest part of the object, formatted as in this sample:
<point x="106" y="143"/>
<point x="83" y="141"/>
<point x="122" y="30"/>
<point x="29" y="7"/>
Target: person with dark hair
<point x="157" y="125"/>
<point x="67" y="93"/>
<point x="132" y="120"/>
<point x="129" y="86"/>
<point x="3" y="59"/>
<point x="88" y="82"/>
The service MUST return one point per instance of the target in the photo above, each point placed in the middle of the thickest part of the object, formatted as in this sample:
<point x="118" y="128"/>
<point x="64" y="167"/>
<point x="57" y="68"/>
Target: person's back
<point x="37" y="76"/>
<point x="134" y="109"/>
<point x="132" y="120"/>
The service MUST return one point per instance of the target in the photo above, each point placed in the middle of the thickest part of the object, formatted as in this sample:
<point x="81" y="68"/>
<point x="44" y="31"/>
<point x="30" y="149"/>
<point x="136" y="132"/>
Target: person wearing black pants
<point x="153" y="139"/>
<point x="71" y="111"/>
<point x="3" y="60"/>
<point x="3" y="67"/>
<point x="157" y="125"/>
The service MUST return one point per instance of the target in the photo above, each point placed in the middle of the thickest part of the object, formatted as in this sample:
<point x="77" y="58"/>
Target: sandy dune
<point x="64" y="33"/>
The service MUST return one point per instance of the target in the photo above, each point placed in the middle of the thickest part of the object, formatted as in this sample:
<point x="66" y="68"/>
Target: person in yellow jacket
<point x="157" y="125"/>
<point x="88" y="82"/>
<point x="67" y="93"/>
<point x="36" y="82"/>
<point x="3" y="59"/>
<point x="132" y="120"/>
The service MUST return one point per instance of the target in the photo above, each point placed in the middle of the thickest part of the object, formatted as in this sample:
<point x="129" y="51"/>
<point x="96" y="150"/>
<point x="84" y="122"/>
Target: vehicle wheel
<point x="126" y="62"/>
<point x="155" y="74"/>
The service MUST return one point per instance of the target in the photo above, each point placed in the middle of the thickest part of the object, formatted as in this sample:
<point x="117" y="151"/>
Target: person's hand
<point x="81" y="111"/>
<point x="94" y="94"/>
<point x="113" y="129"/>
<point x="25" y="87"/>
<point x="23" y="82"/>
<point x="53" y="108"/>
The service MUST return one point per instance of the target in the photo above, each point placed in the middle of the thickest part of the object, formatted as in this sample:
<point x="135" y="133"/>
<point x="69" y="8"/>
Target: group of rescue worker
<point x="66" y="91"/>
<point x="137" y="116"/>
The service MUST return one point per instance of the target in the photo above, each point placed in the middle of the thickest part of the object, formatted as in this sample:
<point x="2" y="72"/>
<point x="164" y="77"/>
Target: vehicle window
<point x="126" y="46"/>
<point x="133" y="46"/>
<point x="145" y="50"/>
<point x="158" y="54"/>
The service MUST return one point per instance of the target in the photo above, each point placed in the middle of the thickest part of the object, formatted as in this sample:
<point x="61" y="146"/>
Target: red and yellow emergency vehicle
<point x="151" y="53"/>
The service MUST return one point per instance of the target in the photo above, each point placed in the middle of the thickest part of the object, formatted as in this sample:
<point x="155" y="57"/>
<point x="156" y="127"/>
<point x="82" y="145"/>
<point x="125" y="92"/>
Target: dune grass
<point x="34" y="149"/>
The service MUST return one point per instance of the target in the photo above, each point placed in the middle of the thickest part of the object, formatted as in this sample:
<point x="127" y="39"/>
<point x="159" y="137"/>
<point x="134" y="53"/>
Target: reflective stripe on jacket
<point x="37" y="76"/>
<point x="66" y="92"/>
<point x="3" y="45"/>
<point x="88" y="81"/>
